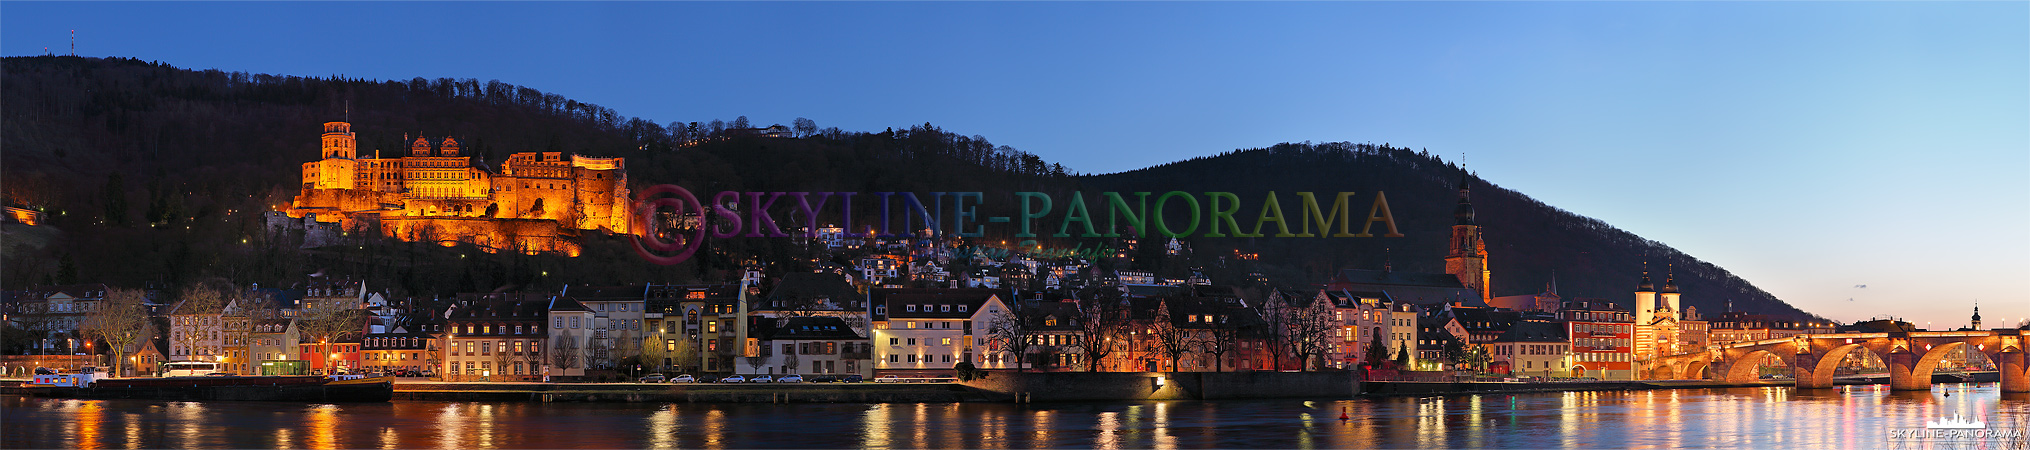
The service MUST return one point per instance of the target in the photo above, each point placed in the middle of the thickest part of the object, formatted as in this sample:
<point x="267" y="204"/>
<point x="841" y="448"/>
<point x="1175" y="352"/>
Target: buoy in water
<point x="1342" y="414"/>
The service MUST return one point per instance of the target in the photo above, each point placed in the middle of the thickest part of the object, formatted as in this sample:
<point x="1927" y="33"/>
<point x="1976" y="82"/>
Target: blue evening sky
<point x="1809" y="147"/>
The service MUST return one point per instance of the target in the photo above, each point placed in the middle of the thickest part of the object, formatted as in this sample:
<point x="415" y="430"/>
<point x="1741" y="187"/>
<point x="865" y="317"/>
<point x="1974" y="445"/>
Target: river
<point x="1862" y="417"/>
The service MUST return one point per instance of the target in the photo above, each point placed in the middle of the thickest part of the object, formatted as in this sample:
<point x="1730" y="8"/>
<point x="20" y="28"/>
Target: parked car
<point x="851" y="379"/>
<point x="888" y="379"/>
<point x="791" y="378"/>
<point x="733" y="379"/>
<point x="762" y="379"/>
<point x="685" y="378"/>
<point x="652" y="378"/>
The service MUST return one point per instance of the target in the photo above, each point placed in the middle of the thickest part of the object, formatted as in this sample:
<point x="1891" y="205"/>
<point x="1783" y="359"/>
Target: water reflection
<point x="1855" y="417"/>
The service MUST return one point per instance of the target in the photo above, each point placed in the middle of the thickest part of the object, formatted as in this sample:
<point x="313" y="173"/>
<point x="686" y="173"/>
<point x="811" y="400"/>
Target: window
<point x="894" y="341"/>
<point x="911" y="308"/>
<point x="881" y="310"/>
<point x="945" y="308"/>
<point x="962" y="308"/>
<point x="559" y="324"/>
<point x="574" y="322"/>
<point x="789" y="349"/>
<point x="712" y="345"/>
<point x="894" y="358"/>
<point x="908" y="324"/>
<point x="912" y="341"/>
<point x="946" y="341"/>
<point x="947" y="325"/>
<point x="712" y="327"/>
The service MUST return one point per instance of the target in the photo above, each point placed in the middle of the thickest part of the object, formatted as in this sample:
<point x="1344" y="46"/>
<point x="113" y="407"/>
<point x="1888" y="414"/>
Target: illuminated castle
<point x="535" y="202"/>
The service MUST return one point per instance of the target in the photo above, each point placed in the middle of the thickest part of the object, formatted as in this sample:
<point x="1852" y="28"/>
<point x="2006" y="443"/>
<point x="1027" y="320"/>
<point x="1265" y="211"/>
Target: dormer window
<point x="912" y="308"/>
<point x="945" y="308"/>
<point x="962" y="308"/>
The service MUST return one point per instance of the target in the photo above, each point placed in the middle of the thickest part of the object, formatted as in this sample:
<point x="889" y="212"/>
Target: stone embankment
<point x="693" y="393"/>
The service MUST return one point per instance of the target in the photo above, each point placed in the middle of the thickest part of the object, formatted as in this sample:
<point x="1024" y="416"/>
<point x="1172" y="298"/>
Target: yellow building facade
<point x="533" y="202"/>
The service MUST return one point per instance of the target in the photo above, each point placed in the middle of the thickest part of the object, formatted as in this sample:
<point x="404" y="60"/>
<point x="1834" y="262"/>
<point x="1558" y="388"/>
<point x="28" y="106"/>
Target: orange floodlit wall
<point x="533" y="202"/>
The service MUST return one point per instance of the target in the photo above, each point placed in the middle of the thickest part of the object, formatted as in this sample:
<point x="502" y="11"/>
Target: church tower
<point x="1468" y="257"/>
<point x="1977" y="317"/>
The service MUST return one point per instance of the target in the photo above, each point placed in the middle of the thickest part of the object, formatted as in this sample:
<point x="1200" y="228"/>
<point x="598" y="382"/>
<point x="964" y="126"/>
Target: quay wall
<point x="692" y="393"/>
<point x="1103" y="386"/>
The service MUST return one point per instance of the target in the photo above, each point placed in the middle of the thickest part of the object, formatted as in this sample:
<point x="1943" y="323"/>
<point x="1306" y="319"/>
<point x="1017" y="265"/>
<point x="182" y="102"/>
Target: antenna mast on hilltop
<point x="73" y="42"/>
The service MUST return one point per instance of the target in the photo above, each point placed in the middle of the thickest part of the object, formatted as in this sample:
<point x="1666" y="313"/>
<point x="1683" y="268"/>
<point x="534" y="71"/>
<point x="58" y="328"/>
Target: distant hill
<point x="1527" y="240"/>
<point x="170" y="148"/>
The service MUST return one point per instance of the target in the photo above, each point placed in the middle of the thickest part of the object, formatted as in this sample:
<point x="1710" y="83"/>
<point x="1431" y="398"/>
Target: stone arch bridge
<point x="1911" y="356"/>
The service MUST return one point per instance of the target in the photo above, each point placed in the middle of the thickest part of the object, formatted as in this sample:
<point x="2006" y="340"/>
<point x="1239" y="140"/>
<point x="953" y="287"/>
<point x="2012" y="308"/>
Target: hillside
<point x="156" y="175"/>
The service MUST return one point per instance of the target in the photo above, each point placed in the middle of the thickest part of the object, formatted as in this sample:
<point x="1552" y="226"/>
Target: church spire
<point x="1464" y="212"/>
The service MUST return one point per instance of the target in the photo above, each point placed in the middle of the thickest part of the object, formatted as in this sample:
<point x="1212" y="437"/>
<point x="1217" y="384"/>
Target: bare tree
<point x="502" y="358"/>
<point x="565" y="353"/>
<point x="1101" y="321"/>
<point x="654" y="351"/>
<point x="1308" y="331"/>
<point x="1009" y="332"/>
<point x="200" y="308"/>
<point x="789" y="358"/>
<point x="1166" y="339"/>
<point x="686" y="355"/>
<point x="1218" y="339"/>
<point x="332" y="324"/>
<point x="121" y="320"/>
<point x="805" y="127"/>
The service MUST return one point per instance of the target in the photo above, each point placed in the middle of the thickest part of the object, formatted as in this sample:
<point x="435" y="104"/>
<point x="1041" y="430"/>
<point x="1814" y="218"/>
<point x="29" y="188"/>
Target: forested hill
<point x="161" y="169"/>
<point x="1526" y="240"/>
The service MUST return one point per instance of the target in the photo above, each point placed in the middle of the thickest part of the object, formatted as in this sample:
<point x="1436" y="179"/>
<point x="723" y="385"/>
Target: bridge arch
<point x="1696" y="370"/>
<point x="1822" y="373"/>
<point x="1743" y="369"/>
<point x="1663" y="371"/>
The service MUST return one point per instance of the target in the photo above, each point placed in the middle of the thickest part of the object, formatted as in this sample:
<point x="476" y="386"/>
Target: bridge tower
<point x="1645" y="315"/>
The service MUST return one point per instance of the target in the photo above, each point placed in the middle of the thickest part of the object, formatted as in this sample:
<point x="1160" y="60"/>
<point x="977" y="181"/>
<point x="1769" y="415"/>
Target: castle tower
<point x="338" y="169"/>
<point x="1468" y="257"/>
<point x="449" y="148"/>
<point x="338" y="141"/>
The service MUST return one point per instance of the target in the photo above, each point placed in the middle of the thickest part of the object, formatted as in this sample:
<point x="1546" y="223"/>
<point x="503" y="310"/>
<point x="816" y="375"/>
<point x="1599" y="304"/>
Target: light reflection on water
<point x="1716" y="418"/>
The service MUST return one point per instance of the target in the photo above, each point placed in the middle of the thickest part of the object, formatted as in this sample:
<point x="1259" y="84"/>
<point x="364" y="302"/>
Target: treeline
<point x="1530" y="244"/>
<point x="199" y="154"/>
<point x="168" y="170"/>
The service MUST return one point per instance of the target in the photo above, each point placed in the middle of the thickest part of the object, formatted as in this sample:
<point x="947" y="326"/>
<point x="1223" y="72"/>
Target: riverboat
<point x="336" y="388"/>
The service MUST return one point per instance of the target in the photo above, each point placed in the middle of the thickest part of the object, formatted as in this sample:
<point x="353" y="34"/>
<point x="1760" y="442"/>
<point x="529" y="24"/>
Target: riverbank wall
<point x="1103" y="386"/>
<point x="693" y="393"/>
